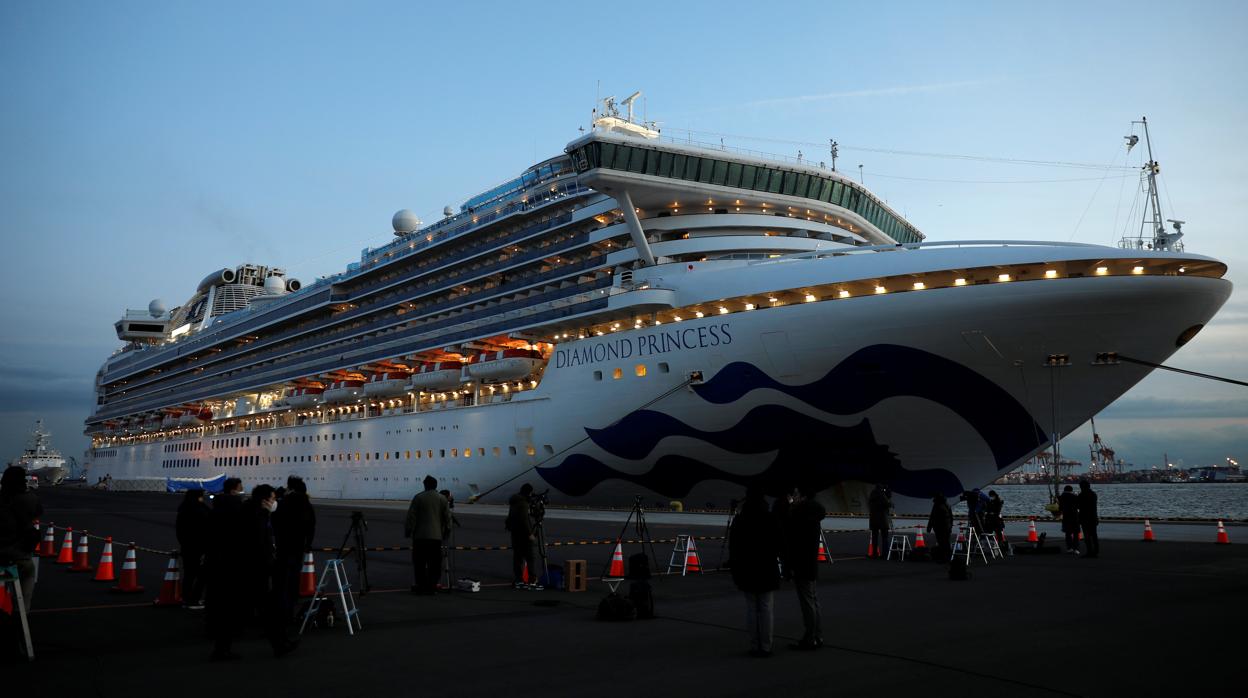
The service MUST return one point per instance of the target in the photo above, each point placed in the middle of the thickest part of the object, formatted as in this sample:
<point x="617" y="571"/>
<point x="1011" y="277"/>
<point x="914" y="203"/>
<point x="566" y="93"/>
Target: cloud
<point x="1187" y="443"/>
<point x="868" y="92"/>
<point x="1176" y="408"/>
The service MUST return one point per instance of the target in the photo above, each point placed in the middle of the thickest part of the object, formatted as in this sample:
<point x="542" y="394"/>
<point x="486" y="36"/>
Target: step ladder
<point x="989" y="543"/>
<point x="11" y="579"/>
<point x="334" y="577"/>
<point x="974" y="544"/>
<point x="899" y="543"/>
<point x="680" y="556"/>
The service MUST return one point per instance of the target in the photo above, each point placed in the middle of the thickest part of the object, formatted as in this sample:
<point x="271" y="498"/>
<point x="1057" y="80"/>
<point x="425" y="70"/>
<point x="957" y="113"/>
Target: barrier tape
<point x="88" y="534"/>
<point x="552" y="544"/>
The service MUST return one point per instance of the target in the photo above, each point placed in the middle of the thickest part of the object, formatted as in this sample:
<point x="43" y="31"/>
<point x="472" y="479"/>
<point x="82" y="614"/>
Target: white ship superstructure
<point x="40" y="459"/>
<point x="642" y="316"/>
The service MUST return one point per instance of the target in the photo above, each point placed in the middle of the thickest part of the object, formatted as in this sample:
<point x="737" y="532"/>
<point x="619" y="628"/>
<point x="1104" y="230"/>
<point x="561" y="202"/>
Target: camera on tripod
<point x="537" y="505"/>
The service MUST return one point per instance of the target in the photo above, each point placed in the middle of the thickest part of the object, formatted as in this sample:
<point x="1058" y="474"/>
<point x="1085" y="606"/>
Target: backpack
<point x="615" y="608"/>
<point x="957" y="570"/>
<point x="642" y="597"/>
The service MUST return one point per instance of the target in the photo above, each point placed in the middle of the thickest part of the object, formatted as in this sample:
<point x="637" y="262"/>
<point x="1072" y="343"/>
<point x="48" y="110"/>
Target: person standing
<point x="193" y="530"/>
<point x="1068" y="505"/>
<point x="805" y="530"/>
<point x="940" y="522"/>
<point x="523" y="535"/>
<point x="878" y="506"/>
<point x="19" y="529"/>
<point x="294" y="527"/>
<point x="226" y="602"/>
<point x="993" y="523"/>
<point x="428" y="521"/>
<point x="754" y="544"/>
<point x="1088" y="518"/>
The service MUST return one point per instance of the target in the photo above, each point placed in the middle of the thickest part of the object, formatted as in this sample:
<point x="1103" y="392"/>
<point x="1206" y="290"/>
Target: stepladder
<point x="11" y="584"/>
<point x="684" y="557"/>
<point x="334" y="582"/>
<point x="975" y="544"/>
<point x="899" y="543"/>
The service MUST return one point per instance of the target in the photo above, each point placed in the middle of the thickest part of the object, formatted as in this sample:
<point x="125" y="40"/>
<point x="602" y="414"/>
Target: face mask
<point x="271" y="506"/>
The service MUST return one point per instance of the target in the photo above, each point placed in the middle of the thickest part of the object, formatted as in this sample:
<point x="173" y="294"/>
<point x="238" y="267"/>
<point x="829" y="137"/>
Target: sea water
<point x="1156" y="500"/>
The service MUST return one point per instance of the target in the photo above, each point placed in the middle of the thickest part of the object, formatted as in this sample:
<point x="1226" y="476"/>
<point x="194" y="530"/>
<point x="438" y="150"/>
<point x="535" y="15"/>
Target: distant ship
<point x="639" y="316"/>
<point x="41" y="460"/>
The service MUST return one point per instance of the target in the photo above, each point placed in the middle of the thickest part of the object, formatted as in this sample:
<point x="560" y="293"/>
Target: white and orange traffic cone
<point x="171" y="588"/>
<point x="1148" y="532"/>
<point x="128" y="582"/>
<point x="48" y="547"/>
<point x="823" y="553"/>
<point x="67" y="548"/>
<point x="81" y="554"/>
<point x="1031" y="531"/>
<point x="617" y="561"/>
<point x="870" y="545"/>
<point x="1223" y="539"/>
<point x="104" y="572"/>
<point x="692" y="564"/>
<point x="307" y="576"/>
<point x="918" y="540"/>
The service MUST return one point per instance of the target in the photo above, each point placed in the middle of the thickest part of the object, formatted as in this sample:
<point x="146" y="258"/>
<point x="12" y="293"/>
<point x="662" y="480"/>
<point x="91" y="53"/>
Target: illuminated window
<point x="454" y="453"/>
<point x="497" y="452"/>
<point x="530" y="450"/>
<point x="468" y="452"/>
<point x="617" y="373"/>
<point x="640" y="370"/>
<point x="409" y="454"/>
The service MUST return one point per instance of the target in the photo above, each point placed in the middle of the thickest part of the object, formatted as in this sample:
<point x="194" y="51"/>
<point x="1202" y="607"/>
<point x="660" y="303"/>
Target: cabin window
<point x="617" y="374"/>
<point x="719" y="172"/>
<point x="530" y="450"/>
<point x="497" y="452"/>
<point x="664" y="165"/>
<point x="409" y="455"/>
<point x="597" y="375"/>
<point x="640" y="370"/>
<point x="511" y="450"/>
<point x="549" y="449"/>
<point x="468" y="452"/>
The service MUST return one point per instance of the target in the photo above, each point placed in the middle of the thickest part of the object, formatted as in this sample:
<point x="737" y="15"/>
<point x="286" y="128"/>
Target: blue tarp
<point x="211" y="485"/>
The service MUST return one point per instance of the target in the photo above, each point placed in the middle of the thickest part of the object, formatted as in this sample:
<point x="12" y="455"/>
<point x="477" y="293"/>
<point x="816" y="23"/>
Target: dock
<point x="1143" y="619"/>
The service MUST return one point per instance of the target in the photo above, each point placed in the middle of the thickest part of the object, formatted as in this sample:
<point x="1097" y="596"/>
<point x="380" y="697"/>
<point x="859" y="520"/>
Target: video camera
<point x="537" y="505"/>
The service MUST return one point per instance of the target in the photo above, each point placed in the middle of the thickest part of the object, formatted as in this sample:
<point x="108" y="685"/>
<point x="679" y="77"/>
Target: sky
<point x="145" y="144"/>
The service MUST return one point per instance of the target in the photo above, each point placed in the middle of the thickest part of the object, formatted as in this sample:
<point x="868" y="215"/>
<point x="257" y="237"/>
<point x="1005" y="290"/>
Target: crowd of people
<point x="768" y="544"/>
<point x="242" y="557"/>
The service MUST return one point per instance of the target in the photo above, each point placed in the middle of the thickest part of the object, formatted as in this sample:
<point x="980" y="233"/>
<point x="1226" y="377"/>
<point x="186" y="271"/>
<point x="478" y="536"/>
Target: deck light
<point x="675" y="318"/>
<point x="1102" y="271"/>
<point x="1003" y="277"/>
<point x="810" y="297"/>
<point x="749" y="306"/>
<point x="723" y="310"/>
<point x="1050" y="273"/>
<point x="919" y="286"/>
<point x="697" y="313"/>
<point x="843" y="294"/>
<point x="1137" y="270"/>
<point x="881" y="289"/>
<point x="959" y="282"/>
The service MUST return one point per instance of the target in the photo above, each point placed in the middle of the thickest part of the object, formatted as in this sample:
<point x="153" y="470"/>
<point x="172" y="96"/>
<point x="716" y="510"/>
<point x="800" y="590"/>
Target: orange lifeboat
<point x="387" y="383"/>
<point x="506" y="365"/>
<point x="442" y="375"/>
<point x="304" y="396"/>
<point x="347" y="390"/>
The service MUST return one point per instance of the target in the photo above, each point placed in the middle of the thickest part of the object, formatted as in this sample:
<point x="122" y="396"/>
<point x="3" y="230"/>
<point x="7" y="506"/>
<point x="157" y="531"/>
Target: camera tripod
<point x="642" y="531"/>
<point x="356" y="533"/>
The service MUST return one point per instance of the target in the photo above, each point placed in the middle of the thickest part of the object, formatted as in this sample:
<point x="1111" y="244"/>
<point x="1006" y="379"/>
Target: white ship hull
<point x="936" y="390"/>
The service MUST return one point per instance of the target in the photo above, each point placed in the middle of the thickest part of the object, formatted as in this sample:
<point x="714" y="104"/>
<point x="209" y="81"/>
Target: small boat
<point x="347" y="390"/>
<point x="505" y="365"/>
<point x="304" y="396"/>
<point x="442" y="375"/>
<point x="387" y="383"/>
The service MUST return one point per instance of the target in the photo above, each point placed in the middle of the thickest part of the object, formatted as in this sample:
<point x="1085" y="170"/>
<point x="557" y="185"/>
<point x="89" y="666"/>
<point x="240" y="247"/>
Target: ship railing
<point x="747" y="152"/>
<point x="871" y="249"/>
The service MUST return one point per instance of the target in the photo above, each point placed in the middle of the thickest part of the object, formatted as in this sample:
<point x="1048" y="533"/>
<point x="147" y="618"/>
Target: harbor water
<point x="1157" y="500"/>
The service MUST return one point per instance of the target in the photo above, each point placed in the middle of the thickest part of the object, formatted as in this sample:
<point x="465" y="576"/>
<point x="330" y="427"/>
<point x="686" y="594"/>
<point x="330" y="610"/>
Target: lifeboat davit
<point x="442" y="375"/>
<point x="506" y="365"/>
<point x="344" y="391"/>
<point x="307" y="396"/>
<point x="171" y="419"/>
<point x="195" y="417"/>
<point x="387" y="383"/>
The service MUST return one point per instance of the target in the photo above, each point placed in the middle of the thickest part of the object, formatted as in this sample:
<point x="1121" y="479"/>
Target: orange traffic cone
<point x="918" y="540"/>
<point x="171" y="588"/>
<point x="129" y="580"/>
<point x="823" y="552"/>
<point x="692" y="564"/>
<point x="617" y="561"/>
<point x="48" y="547"/>
<point x="104" y="572"/>
<point x="1031" y="531"/>
<point x="81" y="563"/>
<point x="1148" y="532"/>
<point x="871" y="545"/>
<point x="957" y="546"/>
<point x="1223" y="539"/>
<point x="524" y="571"/>
<point x="67" y="548"/>
<point x="307" y="576"/>
<point x="6" y="601"/>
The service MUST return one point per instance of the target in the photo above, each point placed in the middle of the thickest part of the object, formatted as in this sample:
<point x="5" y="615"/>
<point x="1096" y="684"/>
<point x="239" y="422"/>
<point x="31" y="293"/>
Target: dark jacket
<point x="1068" y="504"/>
<point x="428" y="516"/>
<point x="194" y="526"/>
<point x="294" y="525"/>
<point x="518" y="520"/>
<point x="803" y="535"/>
<point x="225" y="534"/>
<point x="257" y="545"/>
<point x="941" y="518"/>
<point x="1087" y="508"/>
<point x="18" y="534"/>
<point x="754" y="546"/>
<point x="878" y="505"/>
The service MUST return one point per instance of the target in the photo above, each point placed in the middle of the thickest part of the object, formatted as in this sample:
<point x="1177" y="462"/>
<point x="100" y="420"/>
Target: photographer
<point x="523" y="536"/>
<point x="428" y="522"/>
<point x="19" y="534"/>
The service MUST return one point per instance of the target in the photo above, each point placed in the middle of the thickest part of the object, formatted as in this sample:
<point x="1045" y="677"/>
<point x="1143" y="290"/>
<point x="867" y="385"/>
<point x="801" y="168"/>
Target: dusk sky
<point x="145" y="144"/>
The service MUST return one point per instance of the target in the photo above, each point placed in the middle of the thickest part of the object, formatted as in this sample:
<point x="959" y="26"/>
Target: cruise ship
<point x="646" y="317"/>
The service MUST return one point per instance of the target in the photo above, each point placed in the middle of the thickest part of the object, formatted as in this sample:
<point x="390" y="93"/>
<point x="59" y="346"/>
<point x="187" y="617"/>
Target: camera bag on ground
<point x="615" y="607"/>
<point x="638" y="567"/>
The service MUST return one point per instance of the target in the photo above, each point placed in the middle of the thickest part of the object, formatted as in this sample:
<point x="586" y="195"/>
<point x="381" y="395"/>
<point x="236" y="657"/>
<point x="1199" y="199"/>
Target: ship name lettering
<point x="648" y="344"/>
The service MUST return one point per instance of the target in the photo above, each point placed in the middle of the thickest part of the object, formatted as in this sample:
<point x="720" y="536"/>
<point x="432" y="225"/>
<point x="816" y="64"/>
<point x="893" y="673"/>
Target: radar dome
<point x="156" y="308"/>
<point x="274" y="286"/>
<point x="448" y="211"/>
<point x="405" y="222"/>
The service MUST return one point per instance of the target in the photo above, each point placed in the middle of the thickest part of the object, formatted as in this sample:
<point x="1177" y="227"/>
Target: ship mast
<point x="1152" y="225"/>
